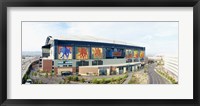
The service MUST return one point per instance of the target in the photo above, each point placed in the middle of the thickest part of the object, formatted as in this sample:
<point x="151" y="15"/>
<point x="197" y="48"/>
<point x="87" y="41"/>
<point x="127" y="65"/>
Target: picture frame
<point x="99" y="3"/>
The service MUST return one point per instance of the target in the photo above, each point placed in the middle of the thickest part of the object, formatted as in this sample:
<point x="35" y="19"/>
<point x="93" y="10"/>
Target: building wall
<point x="91" y="45"/>
<point x="51" y="52"/>
<point x="45" y="52"/>
<point x="64" y="69"/>
<point x="90" y="70"/>
<point x="105" y="62"/>
<point x="59" y="63"/>
<point x="171" y="65"/>
<point x="47" y="65"/>
<point x="58" y="70"/>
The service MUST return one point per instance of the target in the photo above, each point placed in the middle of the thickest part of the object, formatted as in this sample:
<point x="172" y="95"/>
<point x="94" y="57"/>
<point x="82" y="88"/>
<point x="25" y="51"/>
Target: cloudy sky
<point x="156" y="37"/>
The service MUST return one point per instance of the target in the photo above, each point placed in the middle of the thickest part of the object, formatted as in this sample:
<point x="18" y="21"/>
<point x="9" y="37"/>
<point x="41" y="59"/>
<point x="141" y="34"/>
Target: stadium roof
<point x="92" y="39"/>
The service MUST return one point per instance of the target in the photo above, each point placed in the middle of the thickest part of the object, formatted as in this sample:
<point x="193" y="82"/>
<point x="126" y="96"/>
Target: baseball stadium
<point x="91" y="56"/>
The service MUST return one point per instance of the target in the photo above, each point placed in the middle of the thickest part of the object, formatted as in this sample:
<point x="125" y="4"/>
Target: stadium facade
<point x="85" y="57"/>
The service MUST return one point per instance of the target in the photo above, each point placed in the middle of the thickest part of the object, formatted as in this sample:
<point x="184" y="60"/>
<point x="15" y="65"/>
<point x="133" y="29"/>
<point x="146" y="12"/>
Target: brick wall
<point x="47" y="65"/>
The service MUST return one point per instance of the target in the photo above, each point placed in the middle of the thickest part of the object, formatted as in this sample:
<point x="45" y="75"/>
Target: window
<point x="97" y="62"/>
<point x="94" y="62"/>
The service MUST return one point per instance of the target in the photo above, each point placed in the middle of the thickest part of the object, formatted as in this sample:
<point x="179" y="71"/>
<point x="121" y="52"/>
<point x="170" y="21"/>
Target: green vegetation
<point x="46" y="75"/>
<point x="160" y="62"/>
<point x="52" y="73"/>
<point x="113" y="80"/>
<point x="60" y="82"/>
<point x="134" y="80"/>
<point x="145" y="68"/>
<point x="34" y="73"/>
<point x="82" y="80"/>
<point x="167" y="76"/>
<point x="75" y="78"/>
<point x="67" y="79"/>
<point x="95" y="81"/>
<point x="26" y="77"/>
<point x="139" y="78"/>
<point x="38" y="70"/>
<point x="38" y="82"/>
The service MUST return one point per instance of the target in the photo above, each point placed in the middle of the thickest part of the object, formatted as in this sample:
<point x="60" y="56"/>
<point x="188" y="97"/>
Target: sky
<point x="158" y="38"/>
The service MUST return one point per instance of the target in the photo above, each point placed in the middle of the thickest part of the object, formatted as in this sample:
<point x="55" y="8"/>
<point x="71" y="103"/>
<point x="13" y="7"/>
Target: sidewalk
<point x="128" y="78"/>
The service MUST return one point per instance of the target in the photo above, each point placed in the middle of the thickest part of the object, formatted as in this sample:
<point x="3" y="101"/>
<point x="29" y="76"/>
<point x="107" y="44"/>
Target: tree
<point x="46" y="75"/>
<point x="82" y="80"/>
<point x="32" y="74"/>
<point x="75" y="78"/>
<point x="51" y="73"/>
<point x="69" y="78"/>
<point x="25" y="76"/>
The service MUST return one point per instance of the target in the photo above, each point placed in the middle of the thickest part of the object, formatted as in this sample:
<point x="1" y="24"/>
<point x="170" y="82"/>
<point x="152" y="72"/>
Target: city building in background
<point x="90" y="57"/>
<point x="166" y="63"/>
<point x="171" y="66"/>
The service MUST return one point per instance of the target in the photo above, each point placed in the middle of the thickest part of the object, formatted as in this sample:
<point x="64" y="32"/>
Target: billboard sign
<point x="82" y="53"/>
<point x="65" y="52"/>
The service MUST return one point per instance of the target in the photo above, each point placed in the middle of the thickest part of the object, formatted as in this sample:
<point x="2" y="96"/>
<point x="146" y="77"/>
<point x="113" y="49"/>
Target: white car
<point x="28" y="81"/>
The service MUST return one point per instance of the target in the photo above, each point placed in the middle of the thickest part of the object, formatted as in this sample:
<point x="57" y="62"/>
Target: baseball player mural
<point x="129" y="53"/>
<point x="97" y="53"/>
<point x="64" y="52"/>
<point x="136" y="54"/>
<point x="82" y="53"/>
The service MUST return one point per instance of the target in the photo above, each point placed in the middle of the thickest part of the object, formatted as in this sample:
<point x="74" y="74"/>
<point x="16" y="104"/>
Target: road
<point x="26" y="63"/>
<point x="155" y="78"/>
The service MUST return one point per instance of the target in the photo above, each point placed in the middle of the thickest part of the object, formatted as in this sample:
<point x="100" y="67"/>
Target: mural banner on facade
<point x="141" y="54"/>
<point x="114" y="52"/>
<point x="136" y="54"/>
<point x="129" y="53"/>
<point x="65" y="52"/>
<point x="97" y="53"/>
<point x="82" y="53"/>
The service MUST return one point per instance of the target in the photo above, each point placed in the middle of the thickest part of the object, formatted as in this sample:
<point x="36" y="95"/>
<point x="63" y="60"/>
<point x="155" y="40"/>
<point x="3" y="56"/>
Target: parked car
<point x="66" y="73"/>
<point x="29" y="81"/>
